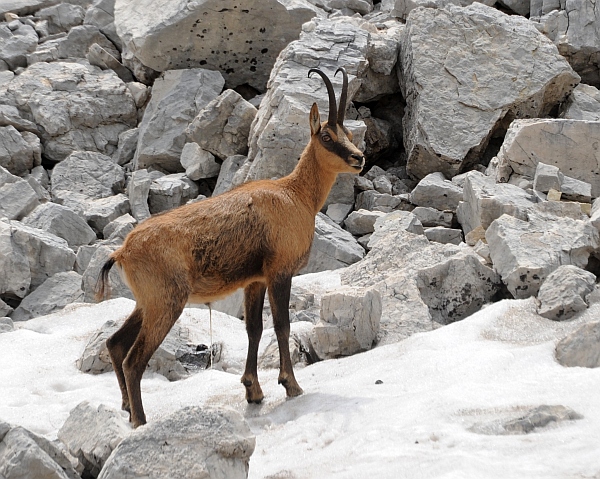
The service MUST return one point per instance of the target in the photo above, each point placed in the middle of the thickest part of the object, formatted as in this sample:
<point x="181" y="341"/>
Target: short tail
<point x="102" y="285"/>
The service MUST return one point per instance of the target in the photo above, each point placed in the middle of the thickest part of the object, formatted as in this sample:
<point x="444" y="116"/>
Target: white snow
<point x="436" y="385"/>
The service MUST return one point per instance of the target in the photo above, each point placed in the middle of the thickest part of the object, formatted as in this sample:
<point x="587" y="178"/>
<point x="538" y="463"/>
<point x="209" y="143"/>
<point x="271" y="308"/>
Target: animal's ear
<point x="315" y="120"/>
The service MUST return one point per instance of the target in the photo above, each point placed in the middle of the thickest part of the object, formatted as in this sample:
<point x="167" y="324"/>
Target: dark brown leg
<point x="119" y="345"/>
<point x="254" y="297"/>
<point x="156" y="326"/>
<point x="279" y="297"/>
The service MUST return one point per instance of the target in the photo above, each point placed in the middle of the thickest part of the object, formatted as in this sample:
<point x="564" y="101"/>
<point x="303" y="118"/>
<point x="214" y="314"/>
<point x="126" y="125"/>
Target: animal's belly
<point x="209" y="289"/>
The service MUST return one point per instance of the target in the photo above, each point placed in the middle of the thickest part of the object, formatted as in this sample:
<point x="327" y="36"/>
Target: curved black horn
<point x="332" y="119"/>
<point x="343" y="96"/>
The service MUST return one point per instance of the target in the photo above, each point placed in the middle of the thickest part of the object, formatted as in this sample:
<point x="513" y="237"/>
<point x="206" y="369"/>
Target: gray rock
<point x="521" y="7"/>
<point x="15" y="276"/>
<point x="526" y="252"/>
<point x="119" y="227"/>
<point x="17" y="197"/>
<point x="372" y="200"/>
<point x="382" y="184"/>
<point x="90" y="174"/>
<point x="349" y="322"/>
<point x="24" y="454"/>
<point x="61" y="17"/>
<point x="581" y="348"/>
<point x="547" y="177"/>
<point x="435" y="191"/>
<point x="101" y="58"/>
<point x="10" y="115"/>
<point x="582" y="104"/>
<point x="238" y="38"/>
<point x="229" y="168"/>
<point x="576" y="190"/>
<point x="396" y="221"/>
<point x="99" y="213"/>
<point x="361" y="222"/>
<point x="440" y="234"/>
<point x="16" y="44"/>
<point x="170" y="191"/>
<point x="332" y="247"/>
<point x="52" y="295"/>
<point x="6" y="324"/>
<point x="301" y="348"/>
<point x="518" y="74"/>
<point x="561" y="143"/>
<point x="223" y="126"/>
<point x="102" y="15"/>
<point x="138" y="190"/>
<point x="92" y="433"/>
<point x="84" y="256"/>
<point x="401" y="8"/>
<point x="127" y="144"/>
<point x="485" y="200"/>
<point x="5" y="309"/>
<point x="362" y="183"/>
<point x="118" y="288"/>
<point x="177" y="96"/>
<point x="19" y="152"/>
<point x="198" y="163"/>
<point x="62" y="222"/>
<point x="564" y="292"/>
<point x="338" y="212"/>
<point x="78" y="107"/>
<point x="532" y="420"/>
<point x="432" y="217"/>
<point x="214" y="443"/>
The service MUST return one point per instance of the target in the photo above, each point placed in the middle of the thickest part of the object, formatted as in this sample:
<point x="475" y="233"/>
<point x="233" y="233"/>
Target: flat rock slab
<point x="482" y="66"/>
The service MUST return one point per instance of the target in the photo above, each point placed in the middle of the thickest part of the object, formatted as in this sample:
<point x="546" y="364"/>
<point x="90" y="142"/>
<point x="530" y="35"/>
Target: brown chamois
<point x="256" y="237"/>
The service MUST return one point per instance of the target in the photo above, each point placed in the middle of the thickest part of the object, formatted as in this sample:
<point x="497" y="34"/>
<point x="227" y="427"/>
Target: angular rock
<point x="118" y="288"/>
<point x="223" y="126"/>
<point x="170" y="191"/>
<point x="440" y="234"/>
<point x="382" y="184"/>
<point x="92" y="433"/>
<point x="576" y="190"/>
<point x="349" y="322"/>
<point x="15" y="276"/>
<point x="517" y="72"/>
<point x="52" y="295"/>
<point x="24" y="454"/>
<point x="432" y="217"/>
<point x="372" y="200"/>
<point x="485" y="200"/>
<point x="79" y="107"/>
<point x="401" y="8"/>
<point x="100" y="57"/>
<point x="361" y="222"/>
<point x="239" y="38"/>
<point x="61" y="17"/>
<point x="62" y="222"/>
<point x="332" y="247"/>
<point x="99" y="213"/>
<point x="435" y="191"/>
<point x="138" y="190"/>
<point x="6" y="325"/>
<point x="301" y="348"/>
<point x="5" y="309"/>
<point x="119" y="227"/>
<point x="338" y="212"/>
<point x="228" y="171"/>
<point x="19" y="152"/>
<point x="396" y="221"/>
<point x="84" y="256"/>
<point x="198" y="163"/>
<point x="16" y="44"/>
<point x="177" y="96"/>
<point x="526" y="252"/>
<point x="581" y="348"/>
<point x="127" y="144"/>
<point x="102" y="15"/>
<point x="564" y="292"/>
<point x="564" y="144"/>
<point x="582" y="104"/>
<point x="17" y="197"/>
<point x="547" y="177"/>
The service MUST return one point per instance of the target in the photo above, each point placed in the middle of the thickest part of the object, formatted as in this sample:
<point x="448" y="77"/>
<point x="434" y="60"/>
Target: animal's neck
<point x="310" y="181"/>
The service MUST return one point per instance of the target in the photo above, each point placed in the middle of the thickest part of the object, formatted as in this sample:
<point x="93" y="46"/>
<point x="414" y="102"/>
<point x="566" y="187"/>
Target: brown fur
<point x="256" y="237"/>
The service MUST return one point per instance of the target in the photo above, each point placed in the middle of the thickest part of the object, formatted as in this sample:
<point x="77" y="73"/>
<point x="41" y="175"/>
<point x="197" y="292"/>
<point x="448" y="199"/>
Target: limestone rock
<point x="332" y="247"/>
<point x="99" y="213"/>
<point x="515" y="73"/>
<point x="582" y="104"/>
<point x="401" y="8"/>
<point x="238" y="38"/>
<point x="138" y="190"/>
<point x="61" y="17"/>
<point x="127" y="144"/>
<point x="338" y="212"/>
<point x="301" y="348"/>
<point x="564" y="292"/>
<point x="211" y="442"/>
<point x="177" y="96"/>
<point x="223" y="126"/>
<point x="547" y="177"/>
<point x="102" y="15"/>
<point x="15" y="276"/>
<point x="170" y="191"/>
<point x="198" y="163"/>
<point x="92" y="433"/>
<point x="526" y="252"/>
<point x="228" y="171"/>
<point x="24" y="454"/>
<point x="16" y="44"/>
<point x="581" y="348"/>
<point x="398" y="220"/>
<point x="53" y="294"/>
<point x="444" y="235"/>
<point x="372" y="200"/>
<point x="432" y="217"/>
<point x="19" y="152"/>
<point x="17" y="197"/>
<point x="435" y="191"/>
<point x="119" y="227"/>
<point x="62" y="222"/>
<point x="361" y="222"/>
<point x="103" y="59"/>
<point x="349" y="322"/>
<point x="6" y="324"/>
<point x="79" y="107"/>
<point x="118" y="288"/>
<point x="561" y="143"/>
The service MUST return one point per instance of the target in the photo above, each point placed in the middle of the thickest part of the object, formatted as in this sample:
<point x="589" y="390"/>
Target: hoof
<point x="292" y="389"/>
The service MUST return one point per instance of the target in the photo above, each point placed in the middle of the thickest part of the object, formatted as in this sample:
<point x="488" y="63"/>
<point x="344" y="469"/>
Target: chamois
<point x="255" y="236"/>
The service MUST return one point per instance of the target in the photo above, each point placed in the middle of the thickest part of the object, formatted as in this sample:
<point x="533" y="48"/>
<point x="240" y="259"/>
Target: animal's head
<point x="332" y="140"/>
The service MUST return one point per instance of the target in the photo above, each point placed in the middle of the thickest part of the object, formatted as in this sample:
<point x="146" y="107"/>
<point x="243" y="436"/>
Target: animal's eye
<point x="326" y="138"/>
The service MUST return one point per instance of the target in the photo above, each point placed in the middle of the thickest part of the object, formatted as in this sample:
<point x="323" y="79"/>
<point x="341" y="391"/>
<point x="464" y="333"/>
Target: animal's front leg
<point x="254" y="297"/>
<point x="279" y="297"/>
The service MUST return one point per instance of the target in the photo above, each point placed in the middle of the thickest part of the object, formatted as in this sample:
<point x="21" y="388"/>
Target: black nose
<point x="360" y="158"/>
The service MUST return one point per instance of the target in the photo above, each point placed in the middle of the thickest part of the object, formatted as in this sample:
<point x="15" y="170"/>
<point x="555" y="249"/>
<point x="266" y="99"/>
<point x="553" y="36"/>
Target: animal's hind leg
<point x="119" y="345"/>
<point x="157" y="323"/>
<point x="254" y="297"/>
<point x="279" y="297"/>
